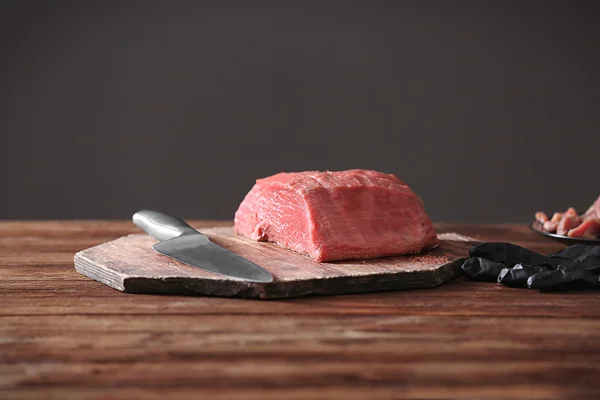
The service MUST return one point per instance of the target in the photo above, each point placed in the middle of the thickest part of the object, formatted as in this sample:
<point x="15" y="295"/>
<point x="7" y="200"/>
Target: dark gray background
<point x="489" y="110"/>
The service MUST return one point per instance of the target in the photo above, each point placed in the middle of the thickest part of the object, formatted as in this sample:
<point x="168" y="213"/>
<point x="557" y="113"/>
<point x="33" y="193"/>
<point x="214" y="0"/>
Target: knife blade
<point x="183" y="243"/>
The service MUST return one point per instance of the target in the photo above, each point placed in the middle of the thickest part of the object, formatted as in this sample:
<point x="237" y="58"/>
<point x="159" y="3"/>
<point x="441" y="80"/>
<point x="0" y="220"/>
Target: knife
<point x="183" y="243"/>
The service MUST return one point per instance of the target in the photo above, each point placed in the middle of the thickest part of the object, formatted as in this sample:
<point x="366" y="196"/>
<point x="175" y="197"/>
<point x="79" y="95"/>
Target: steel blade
<point x="198" y="251"/>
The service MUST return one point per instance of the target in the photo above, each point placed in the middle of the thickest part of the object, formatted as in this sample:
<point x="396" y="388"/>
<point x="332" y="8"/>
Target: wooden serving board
<point x="131" y="265"/>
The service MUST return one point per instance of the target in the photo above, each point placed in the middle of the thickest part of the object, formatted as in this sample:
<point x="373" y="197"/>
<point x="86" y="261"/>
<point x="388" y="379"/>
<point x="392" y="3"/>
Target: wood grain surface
<point x="131" y="265"/>
<point x="65" y="336"/>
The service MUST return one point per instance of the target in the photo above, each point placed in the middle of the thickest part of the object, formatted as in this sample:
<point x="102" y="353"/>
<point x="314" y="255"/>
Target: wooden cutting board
<point x="130" y="264"/>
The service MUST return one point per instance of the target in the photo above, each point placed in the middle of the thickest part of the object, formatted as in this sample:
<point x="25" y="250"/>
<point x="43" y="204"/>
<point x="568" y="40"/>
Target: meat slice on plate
<point x="571" y="212"/>
<point x="568" y="223"/>
<point x="336" y="215"/>
<point x="589" y="229"/>
<point x="541" y="217"/>
<point x="594" y="211"/>
<point x="552" y="225"/>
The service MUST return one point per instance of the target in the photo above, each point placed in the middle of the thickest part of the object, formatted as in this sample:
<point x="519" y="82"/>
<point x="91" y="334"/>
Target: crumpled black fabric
<point x="577" y="266"/>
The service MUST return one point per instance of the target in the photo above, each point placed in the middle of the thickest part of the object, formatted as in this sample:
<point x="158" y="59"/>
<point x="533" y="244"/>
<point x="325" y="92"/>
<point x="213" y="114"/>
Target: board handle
<point x="161" y="226"/>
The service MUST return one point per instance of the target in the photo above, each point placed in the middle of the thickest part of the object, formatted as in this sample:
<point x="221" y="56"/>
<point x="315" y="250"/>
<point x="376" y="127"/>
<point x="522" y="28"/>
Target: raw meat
<point x="593" y="211"/>
<point x="541" y="217"/>
<point x="568" y="223"/>
<point x="552" y="225"/>
<point x="571" y="224"/>
<point x="571" y="212"/>
<point x="589" y="229"/>
<point x="341" y="215"/>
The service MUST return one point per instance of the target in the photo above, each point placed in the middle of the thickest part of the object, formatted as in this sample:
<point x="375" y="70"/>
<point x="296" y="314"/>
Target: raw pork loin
<point x="336" y="215"/>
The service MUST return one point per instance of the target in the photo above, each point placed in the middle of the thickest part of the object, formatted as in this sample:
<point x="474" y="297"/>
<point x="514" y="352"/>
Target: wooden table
<point x="65" y="336"/>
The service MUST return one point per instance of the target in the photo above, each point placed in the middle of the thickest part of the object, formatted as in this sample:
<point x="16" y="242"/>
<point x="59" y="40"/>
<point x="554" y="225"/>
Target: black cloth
<point x="511" y="265"/>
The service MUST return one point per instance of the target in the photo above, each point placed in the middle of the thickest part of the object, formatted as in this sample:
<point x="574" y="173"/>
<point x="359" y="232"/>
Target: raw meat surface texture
<point x="594" y="211"/>
<point x="589" y="229"/>
<point x="569" y="223"/>
<point x="332" y="216"/>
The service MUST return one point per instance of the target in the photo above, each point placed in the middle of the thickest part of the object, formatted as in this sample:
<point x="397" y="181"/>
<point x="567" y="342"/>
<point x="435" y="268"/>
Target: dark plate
<point x="536" y="226"/>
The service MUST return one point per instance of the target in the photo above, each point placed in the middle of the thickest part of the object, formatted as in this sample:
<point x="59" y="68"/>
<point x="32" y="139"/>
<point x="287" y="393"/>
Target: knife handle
<point x="161" y="226"/>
